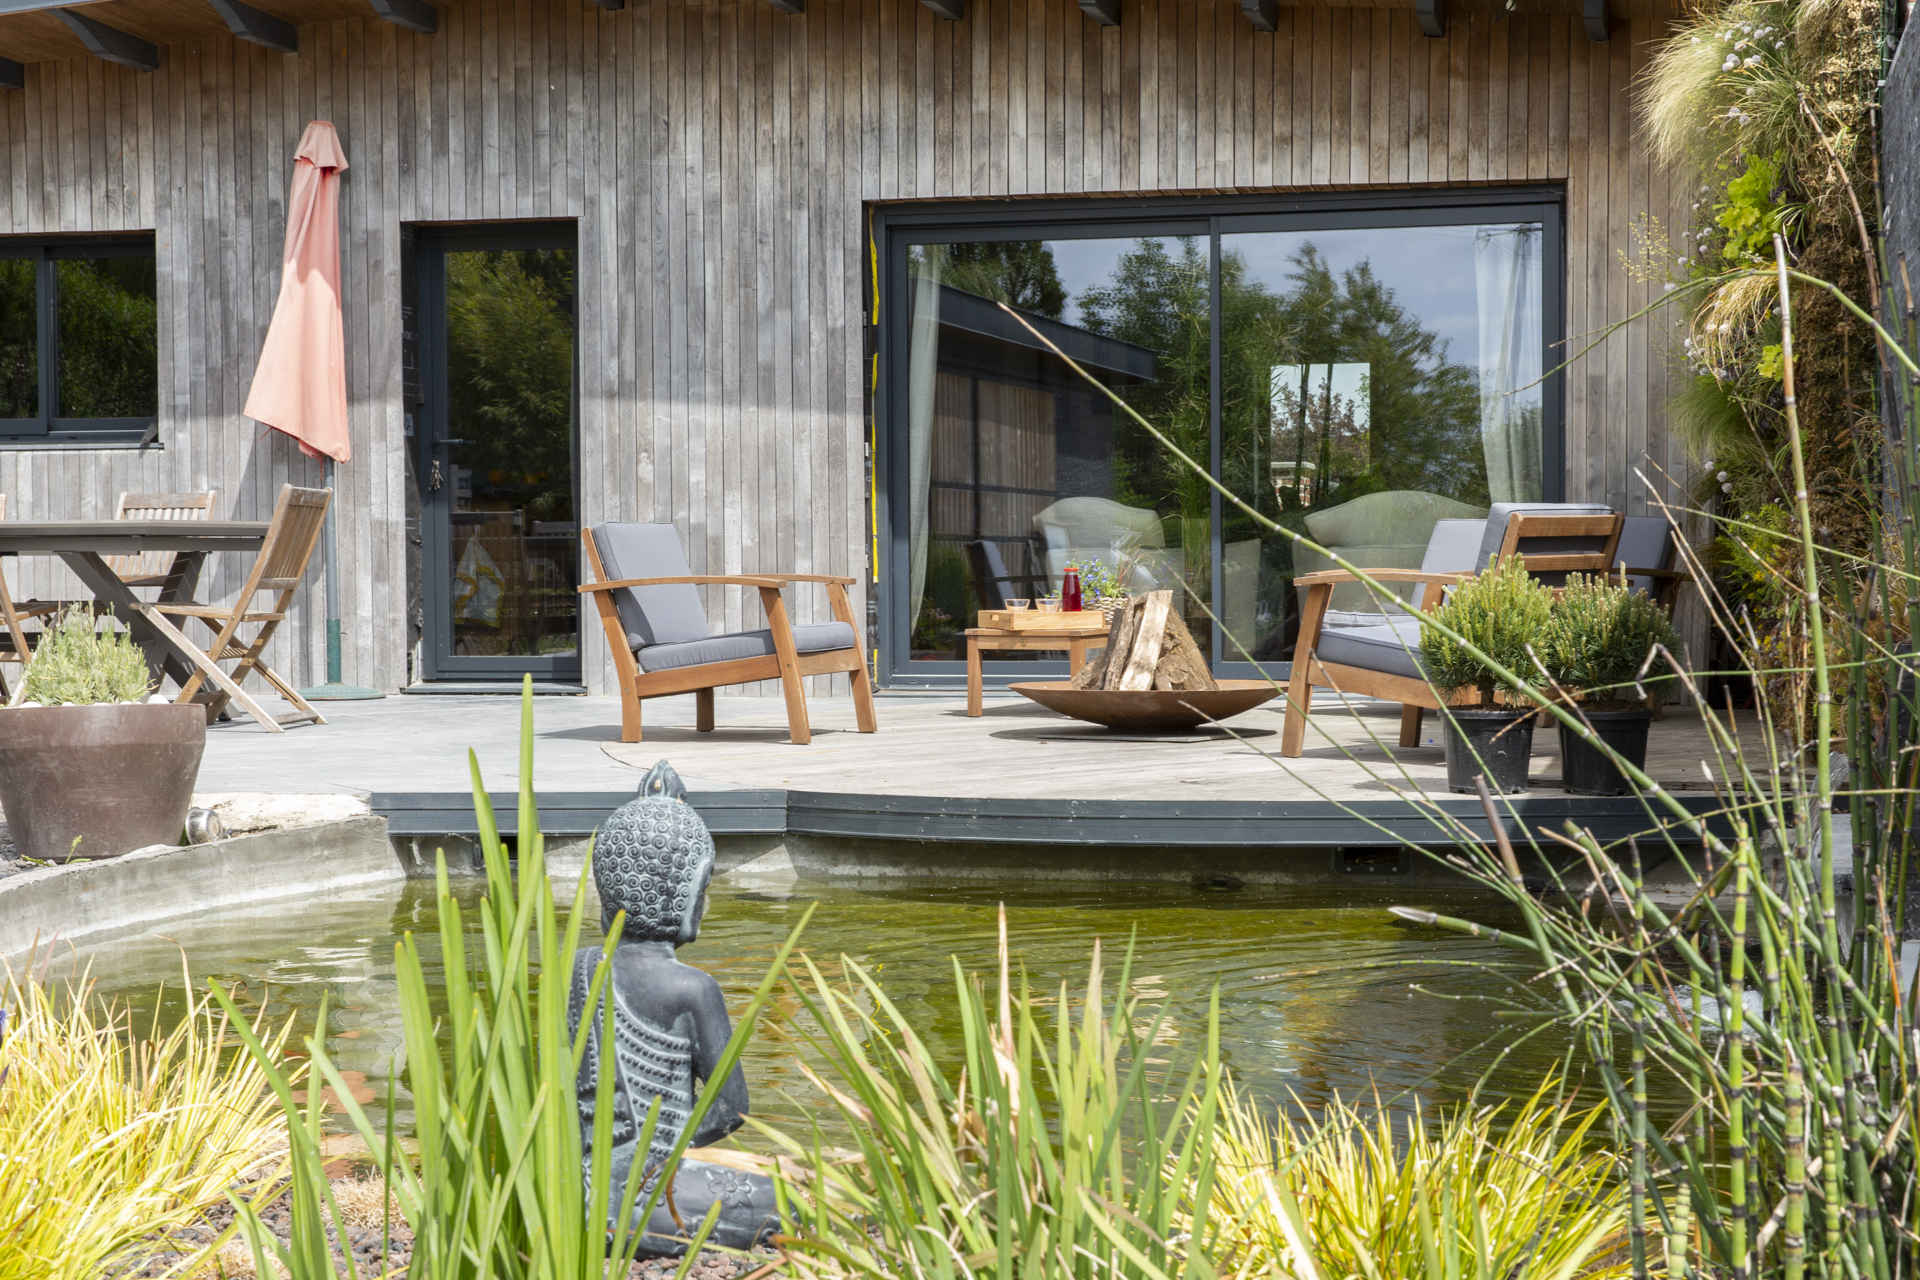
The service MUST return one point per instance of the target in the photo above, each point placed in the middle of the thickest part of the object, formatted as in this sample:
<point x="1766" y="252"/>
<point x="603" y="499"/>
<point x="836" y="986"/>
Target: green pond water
<point x="1308" y="1006"/>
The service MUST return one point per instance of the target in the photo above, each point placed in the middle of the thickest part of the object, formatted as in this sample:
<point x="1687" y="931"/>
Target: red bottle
<point x="1070" y="592"/>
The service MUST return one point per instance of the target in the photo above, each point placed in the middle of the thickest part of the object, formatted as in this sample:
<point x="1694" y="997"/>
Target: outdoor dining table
<point x="85" y="544"/>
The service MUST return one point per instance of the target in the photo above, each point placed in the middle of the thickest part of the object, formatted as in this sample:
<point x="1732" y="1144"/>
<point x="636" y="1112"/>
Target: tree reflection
<point x="109" y="337"/>
<point x="19" y="339"/>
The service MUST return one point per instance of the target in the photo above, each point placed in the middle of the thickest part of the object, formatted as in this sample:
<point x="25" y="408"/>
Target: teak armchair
<point x="281" y="564"/>
<point x="661" y="646"/>
<point x="1378" y="659"/>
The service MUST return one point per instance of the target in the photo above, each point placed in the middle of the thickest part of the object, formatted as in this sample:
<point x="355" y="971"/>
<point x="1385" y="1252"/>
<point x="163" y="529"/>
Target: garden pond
<point x="1321" y="992"/>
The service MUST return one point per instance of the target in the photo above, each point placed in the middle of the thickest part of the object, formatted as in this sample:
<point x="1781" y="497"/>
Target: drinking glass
<point x="1018" y="605"/>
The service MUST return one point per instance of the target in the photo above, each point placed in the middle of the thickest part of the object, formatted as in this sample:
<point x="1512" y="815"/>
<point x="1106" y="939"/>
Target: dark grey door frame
<point x="437" y="660"/>
<point x="895" y="228"/>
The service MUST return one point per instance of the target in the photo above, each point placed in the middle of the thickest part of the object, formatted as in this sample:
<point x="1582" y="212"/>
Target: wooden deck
<point x="927" y="746"/>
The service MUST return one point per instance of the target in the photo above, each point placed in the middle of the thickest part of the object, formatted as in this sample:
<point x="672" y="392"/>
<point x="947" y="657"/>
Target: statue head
<point x="653" y="859"/>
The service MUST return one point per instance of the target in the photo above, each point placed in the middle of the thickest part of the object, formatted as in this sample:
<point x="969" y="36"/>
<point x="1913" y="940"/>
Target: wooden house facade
<point x="738" y="186"/>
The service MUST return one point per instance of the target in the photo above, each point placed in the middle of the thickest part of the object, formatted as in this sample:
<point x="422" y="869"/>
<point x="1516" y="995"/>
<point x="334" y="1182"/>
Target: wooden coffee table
<point x="1076" y="633"/>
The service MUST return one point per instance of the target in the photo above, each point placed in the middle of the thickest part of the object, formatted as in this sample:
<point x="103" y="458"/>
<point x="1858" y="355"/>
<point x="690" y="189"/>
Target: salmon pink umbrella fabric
<point x="300" y="385"/>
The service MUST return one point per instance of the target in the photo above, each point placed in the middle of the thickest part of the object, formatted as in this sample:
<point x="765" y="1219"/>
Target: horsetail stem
<point x="1737" y="1076"/>
<point x="1794" y="1240"/>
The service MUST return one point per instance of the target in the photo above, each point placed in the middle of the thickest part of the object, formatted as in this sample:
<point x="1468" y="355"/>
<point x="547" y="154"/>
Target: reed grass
<point x="1061" y="1150"/>
<point x="109" y="1139"/>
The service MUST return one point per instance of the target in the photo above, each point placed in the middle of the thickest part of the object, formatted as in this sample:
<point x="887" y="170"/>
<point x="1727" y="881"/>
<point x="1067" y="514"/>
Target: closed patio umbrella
<point x="300" y="384"/>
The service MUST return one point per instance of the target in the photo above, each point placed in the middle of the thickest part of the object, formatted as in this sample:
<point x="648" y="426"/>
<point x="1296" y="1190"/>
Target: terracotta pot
<point x="117" y="778"/>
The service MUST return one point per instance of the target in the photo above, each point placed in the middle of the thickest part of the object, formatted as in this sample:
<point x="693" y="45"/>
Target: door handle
<point x="443" y="444"/>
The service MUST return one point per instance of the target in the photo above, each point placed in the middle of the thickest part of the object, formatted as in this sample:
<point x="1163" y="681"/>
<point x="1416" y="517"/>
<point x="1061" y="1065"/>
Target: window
<point x="1354" y="373"/>
<point x="79" y="343"/>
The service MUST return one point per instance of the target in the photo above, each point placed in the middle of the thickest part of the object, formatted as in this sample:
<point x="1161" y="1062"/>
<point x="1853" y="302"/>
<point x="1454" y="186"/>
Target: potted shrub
<point x="1500" y="613"/>
<point x="88" y="767"/>
<point x="1593" y="646"/>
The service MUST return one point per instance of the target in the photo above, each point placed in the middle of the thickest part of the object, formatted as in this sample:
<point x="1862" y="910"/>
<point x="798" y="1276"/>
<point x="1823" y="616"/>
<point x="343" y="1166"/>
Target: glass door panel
<point x="1374" y="382"/>
<point x="1018" y="468"/>
<point x="499" y="474"/>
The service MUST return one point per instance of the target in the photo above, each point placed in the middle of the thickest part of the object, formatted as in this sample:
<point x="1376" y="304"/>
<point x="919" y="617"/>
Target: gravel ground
<point x="234" y="1261"/>
<point x="9" y="861"/>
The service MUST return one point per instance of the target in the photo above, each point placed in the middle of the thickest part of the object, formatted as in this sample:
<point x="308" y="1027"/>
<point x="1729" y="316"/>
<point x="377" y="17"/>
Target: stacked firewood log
<point x="1148" y="648"/>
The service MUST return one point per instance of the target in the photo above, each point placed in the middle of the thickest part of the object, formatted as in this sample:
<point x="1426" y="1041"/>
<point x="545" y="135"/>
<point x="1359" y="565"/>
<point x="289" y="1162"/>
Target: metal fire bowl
<point x="1149" y="708"/>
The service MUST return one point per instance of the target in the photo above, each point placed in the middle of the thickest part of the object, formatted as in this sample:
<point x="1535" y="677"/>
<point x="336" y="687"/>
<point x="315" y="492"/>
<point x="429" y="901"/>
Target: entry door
<point x="498" y="450"/>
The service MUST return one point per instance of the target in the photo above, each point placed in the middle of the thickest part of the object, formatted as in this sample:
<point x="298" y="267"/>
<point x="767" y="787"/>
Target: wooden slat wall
<point x="717" y="157"/>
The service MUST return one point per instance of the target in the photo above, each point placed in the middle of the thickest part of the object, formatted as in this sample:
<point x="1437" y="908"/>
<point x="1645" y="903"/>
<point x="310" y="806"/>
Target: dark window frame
<point x="895" y="227"/>
<point x="48" y="430"/>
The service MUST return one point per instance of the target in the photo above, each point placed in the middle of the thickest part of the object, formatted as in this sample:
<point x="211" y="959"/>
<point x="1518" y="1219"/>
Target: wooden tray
<point x="1028" y="620"/>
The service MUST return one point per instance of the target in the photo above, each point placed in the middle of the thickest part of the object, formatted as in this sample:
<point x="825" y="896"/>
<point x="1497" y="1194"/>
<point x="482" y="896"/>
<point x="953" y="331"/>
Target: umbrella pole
<point x="333" y="690"/>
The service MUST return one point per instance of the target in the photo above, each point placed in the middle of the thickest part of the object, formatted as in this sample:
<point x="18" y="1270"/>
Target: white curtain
<point x="1506" y="269"/>
<point x="923" y="354"/>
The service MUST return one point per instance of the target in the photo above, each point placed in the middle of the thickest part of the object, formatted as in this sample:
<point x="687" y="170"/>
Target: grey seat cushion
<point x="651" y="615"/>
<point x="811" y="637"/>
<point x="1382" y="647"/>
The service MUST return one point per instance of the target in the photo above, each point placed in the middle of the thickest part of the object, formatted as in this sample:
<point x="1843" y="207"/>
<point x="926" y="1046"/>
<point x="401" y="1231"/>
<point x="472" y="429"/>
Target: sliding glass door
<point x="1356" y="374"/>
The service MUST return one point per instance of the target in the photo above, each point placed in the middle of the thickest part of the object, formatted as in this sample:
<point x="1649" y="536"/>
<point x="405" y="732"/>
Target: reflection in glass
<point x="515" y="537"/>
<point x="109" y="337"/>
<point x="1017" y="467"/>
<point x="19" y="339"/>
<point x="1375" y="382"/>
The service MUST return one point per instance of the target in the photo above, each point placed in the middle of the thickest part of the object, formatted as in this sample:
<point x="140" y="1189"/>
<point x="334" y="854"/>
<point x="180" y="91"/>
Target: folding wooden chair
<point x="16" y="642"/>
<point x="153" y="568"/>
<point x="282" y="562"/>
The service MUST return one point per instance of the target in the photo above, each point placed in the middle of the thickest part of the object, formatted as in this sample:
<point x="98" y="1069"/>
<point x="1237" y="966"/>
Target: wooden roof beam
<point x="111" y="44"/>
<point x="414" y="15"/>
<point x="1262" y="15"/>
<point x="248" y="23"/>
<point x="1104" y="12"/>
<point x="13" y="75"/>
<point x="1433" y="17"/>
<point x="951" y="10"/>
<point x="789" y="6"/>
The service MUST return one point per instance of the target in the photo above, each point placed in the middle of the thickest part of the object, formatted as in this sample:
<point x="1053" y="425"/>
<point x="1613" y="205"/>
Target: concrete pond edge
<point x="87" y="901"/>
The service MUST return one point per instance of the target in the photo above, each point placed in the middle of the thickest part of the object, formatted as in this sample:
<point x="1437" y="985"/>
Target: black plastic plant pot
<point x="1585" y="769"/>
<point x="1497" y="742"/>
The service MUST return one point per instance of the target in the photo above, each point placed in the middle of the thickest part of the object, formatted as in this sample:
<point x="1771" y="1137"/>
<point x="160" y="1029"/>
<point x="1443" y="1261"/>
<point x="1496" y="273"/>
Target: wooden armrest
<point x="1667" y="575"/>
<point x="813" y="577"/>
<point x="690" y="578"/>
<point x="1379" y="575"/>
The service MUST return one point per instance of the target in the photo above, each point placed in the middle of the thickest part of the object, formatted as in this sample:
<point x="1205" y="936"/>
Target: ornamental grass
<point x="110" y="1138"/>
<point x="1486" y="1193"/>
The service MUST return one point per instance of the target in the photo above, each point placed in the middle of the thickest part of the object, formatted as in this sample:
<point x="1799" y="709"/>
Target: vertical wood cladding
<point x="716" y="158"/>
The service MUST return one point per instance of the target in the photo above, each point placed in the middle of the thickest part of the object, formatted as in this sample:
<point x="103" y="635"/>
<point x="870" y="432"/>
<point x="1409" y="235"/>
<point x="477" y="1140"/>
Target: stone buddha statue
<point x="653" y="859"/>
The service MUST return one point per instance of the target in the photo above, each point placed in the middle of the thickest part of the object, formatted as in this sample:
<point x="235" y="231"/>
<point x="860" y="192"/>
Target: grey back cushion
<point x="651" y="615"/>
<point x="1646" y="542"/>
<point x="1452" y="547"/>
<point x="1495" y="530"/>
